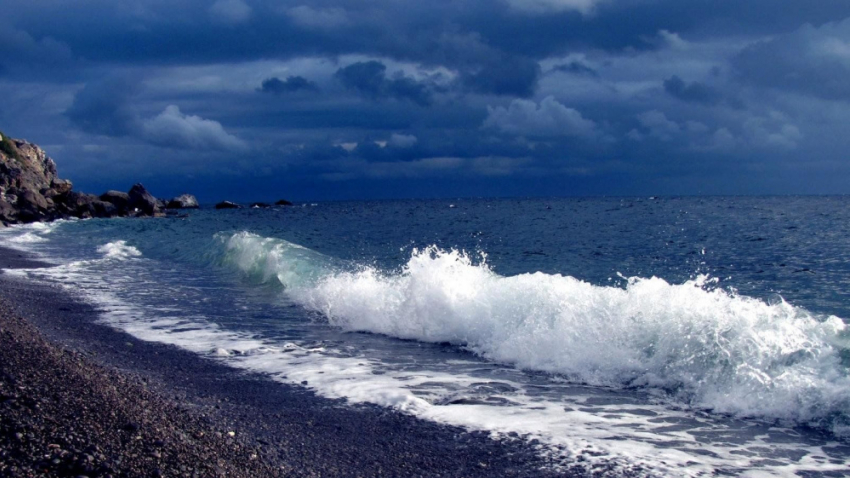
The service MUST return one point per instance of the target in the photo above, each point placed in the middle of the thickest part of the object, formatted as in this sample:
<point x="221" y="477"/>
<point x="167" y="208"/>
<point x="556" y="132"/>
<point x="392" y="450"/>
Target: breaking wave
<point x="703" y="346"/>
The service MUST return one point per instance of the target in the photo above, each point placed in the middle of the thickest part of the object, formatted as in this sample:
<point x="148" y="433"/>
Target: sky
<point x="256" y="100"/>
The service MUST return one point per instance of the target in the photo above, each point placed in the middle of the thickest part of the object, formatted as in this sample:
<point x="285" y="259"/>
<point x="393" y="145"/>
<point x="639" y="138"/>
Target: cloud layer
<point x="549" y="118"/>
<point x="340" y="99"/>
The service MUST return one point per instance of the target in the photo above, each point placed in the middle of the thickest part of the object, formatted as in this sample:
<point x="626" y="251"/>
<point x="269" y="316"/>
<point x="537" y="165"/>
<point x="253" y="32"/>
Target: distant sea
<point x="689" y="336"/>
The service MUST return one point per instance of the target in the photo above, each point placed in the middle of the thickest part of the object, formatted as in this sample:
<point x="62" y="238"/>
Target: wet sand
<point x="78" y="398"/>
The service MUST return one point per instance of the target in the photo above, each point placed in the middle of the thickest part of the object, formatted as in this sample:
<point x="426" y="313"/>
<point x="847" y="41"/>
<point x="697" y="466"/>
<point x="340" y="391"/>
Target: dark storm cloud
<point x="430" y="89"/>
<point x="614" y="26"/>
<point x="370" y="79"/>
<point x="812" y="60"/>
<point x="576" y="68"/>
<point x="694" y="91"/>
<point x="25" y="56"/>
<point x="325" y="114"/>
<point x="367" y="77"/>
<point x="191" y="31"/>
<point x="103" y="107"/>
<point x="509" y="75"/>
<point x="292" y="84"/>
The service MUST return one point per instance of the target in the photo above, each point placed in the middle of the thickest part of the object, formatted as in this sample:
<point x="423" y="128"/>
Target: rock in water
<point x="184" y="201"/>
<point x="227" y="205"/>
<point x="259" y="205"/>
<point x="283" y="202"/>
<point x="78" y="204"/>
<point x="28" y="209"/>
<point x="120" y="200"/>
<point x="142" y="200"/>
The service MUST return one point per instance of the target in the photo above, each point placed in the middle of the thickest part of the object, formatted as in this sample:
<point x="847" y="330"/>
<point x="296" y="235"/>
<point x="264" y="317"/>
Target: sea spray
<point x="706" y="347"/>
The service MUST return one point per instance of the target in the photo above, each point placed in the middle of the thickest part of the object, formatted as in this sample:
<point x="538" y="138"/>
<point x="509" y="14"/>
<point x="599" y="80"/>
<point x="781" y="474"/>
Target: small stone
<point x="227" y="205"/>
<point x="132" y="427"/>
<point x="185" y="201"/>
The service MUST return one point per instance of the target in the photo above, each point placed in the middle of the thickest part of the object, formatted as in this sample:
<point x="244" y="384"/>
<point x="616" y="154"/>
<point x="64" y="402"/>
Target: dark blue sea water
<point x="691" y="335"/>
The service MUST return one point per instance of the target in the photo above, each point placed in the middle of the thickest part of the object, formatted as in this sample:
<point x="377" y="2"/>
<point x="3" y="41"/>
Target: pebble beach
<point x="80" y="399"/>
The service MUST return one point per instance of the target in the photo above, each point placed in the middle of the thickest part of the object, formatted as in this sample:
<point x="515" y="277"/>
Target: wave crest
<point x="712" y="349"/>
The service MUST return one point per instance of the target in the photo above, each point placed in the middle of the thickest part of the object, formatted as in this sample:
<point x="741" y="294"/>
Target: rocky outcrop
<point x="283" y="202"/>
<point x="143" y="201"/>
<point x="76" y="204"/>
<point x="227" y="205"/>
<point x="185" y="201"/>
<point x="29" y="187"/>
<point x="30" y="190"/>
<point x="120" y="200"/>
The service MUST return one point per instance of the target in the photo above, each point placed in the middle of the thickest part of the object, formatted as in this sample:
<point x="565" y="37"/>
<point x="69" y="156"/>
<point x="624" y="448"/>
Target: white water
<point x="707" y="348"/>
<point x="118" y="250"/>
<point x="22" y="235"/>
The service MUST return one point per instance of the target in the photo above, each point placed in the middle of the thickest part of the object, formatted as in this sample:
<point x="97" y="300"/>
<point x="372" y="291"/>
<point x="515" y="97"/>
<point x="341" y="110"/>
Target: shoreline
<point x="277" y="429"/>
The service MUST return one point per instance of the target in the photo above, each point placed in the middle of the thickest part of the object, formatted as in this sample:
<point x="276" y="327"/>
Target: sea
<point x="681" y="336"/>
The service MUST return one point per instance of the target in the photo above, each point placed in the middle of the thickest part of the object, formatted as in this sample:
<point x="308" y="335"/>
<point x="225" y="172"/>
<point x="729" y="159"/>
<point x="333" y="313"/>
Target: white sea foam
<point x="26" y="238"/>
<point x="42" y="227"/>
<point x="708" y="348"/>
<point x="118" y="250"/>
<point x="23" y="235"/>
